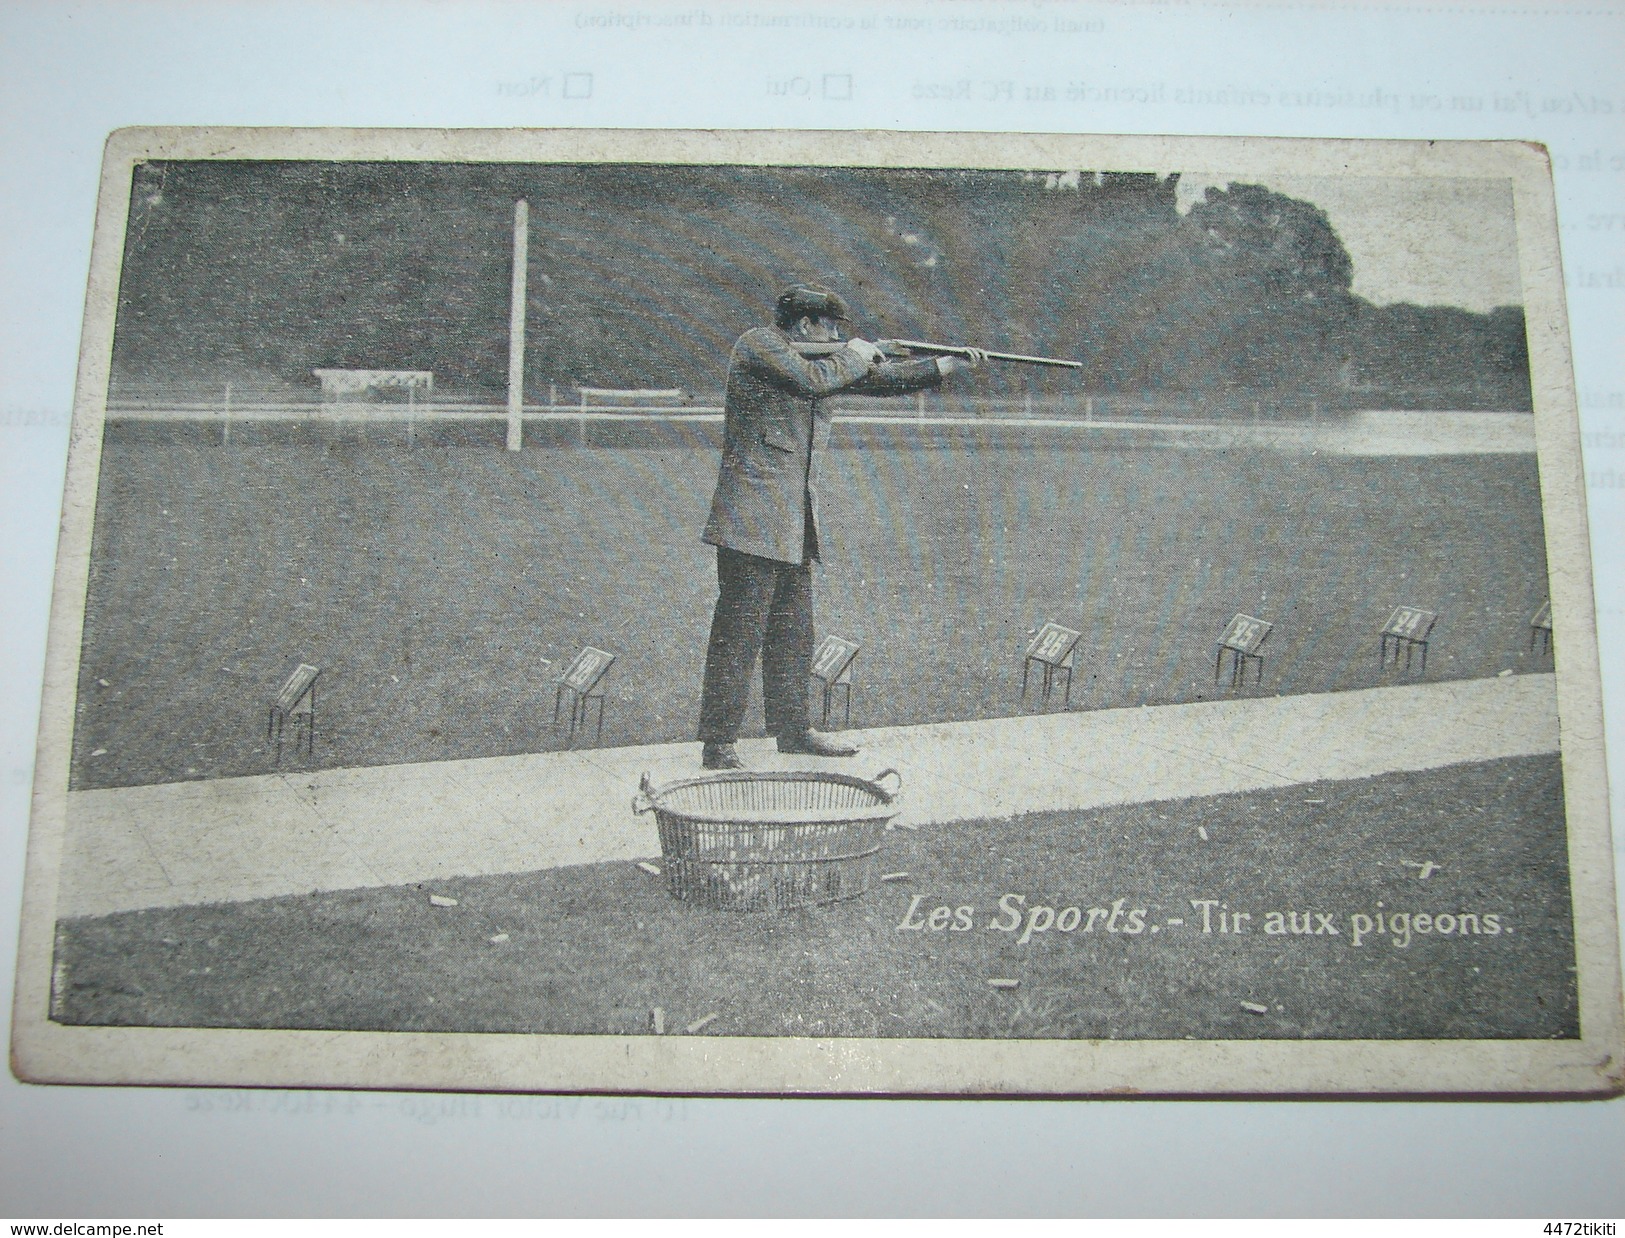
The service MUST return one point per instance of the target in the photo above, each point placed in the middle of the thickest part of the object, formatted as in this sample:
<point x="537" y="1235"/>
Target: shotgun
<point x="896" y="348"/>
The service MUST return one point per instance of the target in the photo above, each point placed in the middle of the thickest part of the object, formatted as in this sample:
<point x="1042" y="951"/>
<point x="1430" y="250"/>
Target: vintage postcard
<point x="822" y="612"/>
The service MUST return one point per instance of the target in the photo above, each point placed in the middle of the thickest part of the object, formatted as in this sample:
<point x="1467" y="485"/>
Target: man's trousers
<point x="764" y="608"/>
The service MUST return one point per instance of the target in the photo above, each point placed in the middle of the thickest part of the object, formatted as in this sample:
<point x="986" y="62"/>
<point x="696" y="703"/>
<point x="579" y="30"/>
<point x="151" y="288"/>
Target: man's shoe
<point x="720" y="756"/>
<point x="816" y="744"/>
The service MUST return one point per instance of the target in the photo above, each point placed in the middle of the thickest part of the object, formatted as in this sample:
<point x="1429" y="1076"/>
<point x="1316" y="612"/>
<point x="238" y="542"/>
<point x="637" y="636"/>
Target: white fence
<point x="170" y="401"/>
<point x="1288" y="422"/>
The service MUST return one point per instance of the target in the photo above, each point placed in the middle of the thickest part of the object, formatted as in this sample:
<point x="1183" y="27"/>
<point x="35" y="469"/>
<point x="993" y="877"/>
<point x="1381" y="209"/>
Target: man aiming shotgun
<point x="764" y="515"/>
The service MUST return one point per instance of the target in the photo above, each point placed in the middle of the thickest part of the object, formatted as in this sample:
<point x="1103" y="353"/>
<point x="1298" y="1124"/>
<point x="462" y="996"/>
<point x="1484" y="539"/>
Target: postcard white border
<point x="43" y="1051"/>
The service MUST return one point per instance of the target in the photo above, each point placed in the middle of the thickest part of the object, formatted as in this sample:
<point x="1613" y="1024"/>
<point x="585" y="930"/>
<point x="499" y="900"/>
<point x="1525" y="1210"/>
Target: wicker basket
<point x="753" y="841"/>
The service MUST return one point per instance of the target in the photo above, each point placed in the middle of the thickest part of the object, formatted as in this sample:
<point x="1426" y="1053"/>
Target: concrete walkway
<point x="240" y="838"/>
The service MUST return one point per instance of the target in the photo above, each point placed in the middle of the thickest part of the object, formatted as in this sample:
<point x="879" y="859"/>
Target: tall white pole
<point x="516" y="325"/>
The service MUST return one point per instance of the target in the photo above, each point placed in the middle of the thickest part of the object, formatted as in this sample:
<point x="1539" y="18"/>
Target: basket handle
<point x="888" y="773"/>
<point x="643" y="801"/>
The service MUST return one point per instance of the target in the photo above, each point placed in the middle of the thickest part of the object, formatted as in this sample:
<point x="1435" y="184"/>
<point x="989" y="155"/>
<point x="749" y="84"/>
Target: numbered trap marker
<point x="1053" y="650"/>
<point x="582" y="682"/>
<point x="1242" y="639"/>
<point x="1541" y="626"/>
<point x="1409" y="627"/>
<point x="295" y="701"/>
<point x="832" y="668"/>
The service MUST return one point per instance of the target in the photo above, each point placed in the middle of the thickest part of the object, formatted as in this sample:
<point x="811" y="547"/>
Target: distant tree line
<point x="644" y="275"/>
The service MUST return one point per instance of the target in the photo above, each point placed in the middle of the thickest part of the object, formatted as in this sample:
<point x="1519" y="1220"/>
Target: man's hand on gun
<point x="870" y="353"/>
<point x="874" y="353"/>
<point x="955" y="364"/>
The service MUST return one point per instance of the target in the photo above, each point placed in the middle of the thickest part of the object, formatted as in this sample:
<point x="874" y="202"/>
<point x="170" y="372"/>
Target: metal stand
<point x="1409" y="627"/>
<point x="295" y="701"/>
<point x="583" y="679"/>
<point x="1052" y="672"/>
<point x="832" y="668"/>
<point x="579" y="701"/>
<point x="1541" y="626"/>
<point x="1410" y="644"/>
<point x="845" y="681"/>
<point x="1055" y="649"/>
<point x="1243" y="638"/>
<point x="1238" y="665"/>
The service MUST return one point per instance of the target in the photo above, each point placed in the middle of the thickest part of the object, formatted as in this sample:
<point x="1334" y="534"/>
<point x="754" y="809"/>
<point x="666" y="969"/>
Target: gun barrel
<point x="809" y="349"/>
<point x="961" y="350"/>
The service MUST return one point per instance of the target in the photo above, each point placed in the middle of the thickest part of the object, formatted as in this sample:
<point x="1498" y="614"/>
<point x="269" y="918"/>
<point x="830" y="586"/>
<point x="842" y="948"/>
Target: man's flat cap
<point x="808" y="301"/>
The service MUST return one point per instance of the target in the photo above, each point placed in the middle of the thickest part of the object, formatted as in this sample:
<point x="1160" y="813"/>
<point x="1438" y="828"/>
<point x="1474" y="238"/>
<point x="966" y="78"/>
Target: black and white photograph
<point x="843" y="613"/>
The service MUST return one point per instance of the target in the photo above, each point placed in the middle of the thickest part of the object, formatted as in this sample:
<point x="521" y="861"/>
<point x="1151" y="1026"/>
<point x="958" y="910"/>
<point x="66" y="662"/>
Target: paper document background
<point x="111" y="77"/>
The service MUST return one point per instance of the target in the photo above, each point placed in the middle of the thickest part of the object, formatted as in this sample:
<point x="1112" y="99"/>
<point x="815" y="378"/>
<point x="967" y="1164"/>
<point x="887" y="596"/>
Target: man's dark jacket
<point x="776" y="422"/>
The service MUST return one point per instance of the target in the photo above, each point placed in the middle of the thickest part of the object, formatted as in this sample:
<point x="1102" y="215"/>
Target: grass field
<point x="429" y="584"/>
<point x="596" y="948"/>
